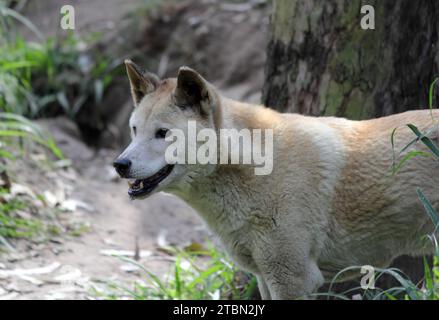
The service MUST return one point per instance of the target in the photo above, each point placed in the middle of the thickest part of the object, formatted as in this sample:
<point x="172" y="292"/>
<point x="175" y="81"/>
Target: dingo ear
<point x="194" y="91"/>
<point x="141" y="82"/>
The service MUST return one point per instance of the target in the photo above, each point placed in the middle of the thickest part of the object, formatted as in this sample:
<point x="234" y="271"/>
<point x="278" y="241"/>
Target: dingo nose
<point x="122" y="166"/>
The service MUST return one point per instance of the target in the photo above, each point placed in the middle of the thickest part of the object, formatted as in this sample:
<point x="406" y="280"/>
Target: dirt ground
<point x="78" y="266"/>
<point x="224" y="41"/>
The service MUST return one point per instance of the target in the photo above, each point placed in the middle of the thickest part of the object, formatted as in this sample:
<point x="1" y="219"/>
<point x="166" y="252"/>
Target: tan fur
<point x="329" y="203"/>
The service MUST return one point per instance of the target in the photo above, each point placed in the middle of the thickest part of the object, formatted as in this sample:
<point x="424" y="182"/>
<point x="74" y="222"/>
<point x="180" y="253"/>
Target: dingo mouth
<point x="142" y="187"/>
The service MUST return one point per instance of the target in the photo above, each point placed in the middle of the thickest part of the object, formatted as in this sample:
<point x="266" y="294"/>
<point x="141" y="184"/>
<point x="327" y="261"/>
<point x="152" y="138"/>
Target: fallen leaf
<point x="26" y="272"/>
<point x="195" y="247"/>
<point x="32" y="280"/>
<point x="70" y="276"/>
<point x="50" y="198"/>
<point x="72" y="205"/>
<point x="125" y="253"/>
<point x="129" y="268"/>
<point x="19" y="189"/>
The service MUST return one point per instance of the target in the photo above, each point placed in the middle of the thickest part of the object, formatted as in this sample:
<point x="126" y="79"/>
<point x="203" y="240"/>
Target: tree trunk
<point x="321" y="62"/>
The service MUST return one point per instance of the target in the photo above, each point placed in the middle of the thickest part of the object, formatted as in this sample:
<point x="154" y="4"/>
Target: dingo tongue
<point x="142" y="187"/>
<point x="135" y="184"/>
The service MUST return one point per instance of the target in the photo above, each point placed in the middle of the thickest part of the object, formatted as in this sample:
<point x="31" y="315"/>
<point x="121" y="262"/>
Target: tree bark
<point x="321" y="62"/>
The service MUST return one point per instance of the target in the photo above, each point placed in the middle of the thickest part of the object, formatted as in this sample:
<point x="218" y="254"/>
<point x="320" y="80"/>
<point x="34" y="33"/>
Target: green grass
<point x="50" y="76"/>
<point x="27" y="217"/>
<point x="18" y="137"/>
<point x="203" y="275"/>
<point x="46" y="77"/>
<point x="12" y="226"/>
<point x="16" y="130"/>
<point x="406" y="289"/>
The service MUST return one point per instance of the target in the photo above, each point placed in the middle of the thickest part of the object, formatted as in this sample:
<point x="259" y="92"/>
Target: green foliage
<point x="432" y="213"/>
<point x="406" y="289"/>
<point x="12" y="226"/>
<point x="52" y="76"/>
<point x="202" y="275"/>
<point x="425" y="139"/>
<point x="420" y="137"/>
<point x="15" y="128"/>
<point x="22" y="217"/>
<point x="38" y="78"/>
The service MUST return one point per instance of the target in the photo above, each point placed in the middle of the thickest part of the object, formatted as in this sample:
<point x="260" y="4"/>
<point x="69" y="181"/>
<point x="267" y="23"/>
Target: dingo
<point x="328" y="204"/>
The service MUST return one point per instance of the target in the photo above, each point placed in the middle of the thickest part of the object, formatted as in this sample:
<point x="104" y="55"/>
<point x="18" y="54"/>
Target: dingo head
<point x="159" y="106"/>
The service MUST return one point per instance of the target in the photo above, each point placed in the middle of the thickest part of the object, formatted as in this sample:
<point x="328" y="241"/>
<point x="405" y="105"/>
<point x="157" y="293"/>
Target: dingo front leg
<point x="263" y="288"/>
<point x="290" y="279"/>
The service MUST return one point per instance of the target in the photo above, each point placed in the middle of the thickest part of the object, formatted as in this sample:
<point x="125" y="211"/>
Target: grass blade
<point x="432" y="213"/>
<point x="14" y="14"/>
<point x="407" y="157"/>
<point x="427" y="141"/>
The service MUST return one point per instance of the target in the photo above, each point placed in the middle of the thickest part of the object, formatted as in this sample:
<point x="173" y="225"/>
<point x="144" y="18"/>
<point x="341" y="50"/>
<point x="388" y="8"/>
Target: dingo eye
<point x="135" y="130"/>
<point x="161" y="133"/>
